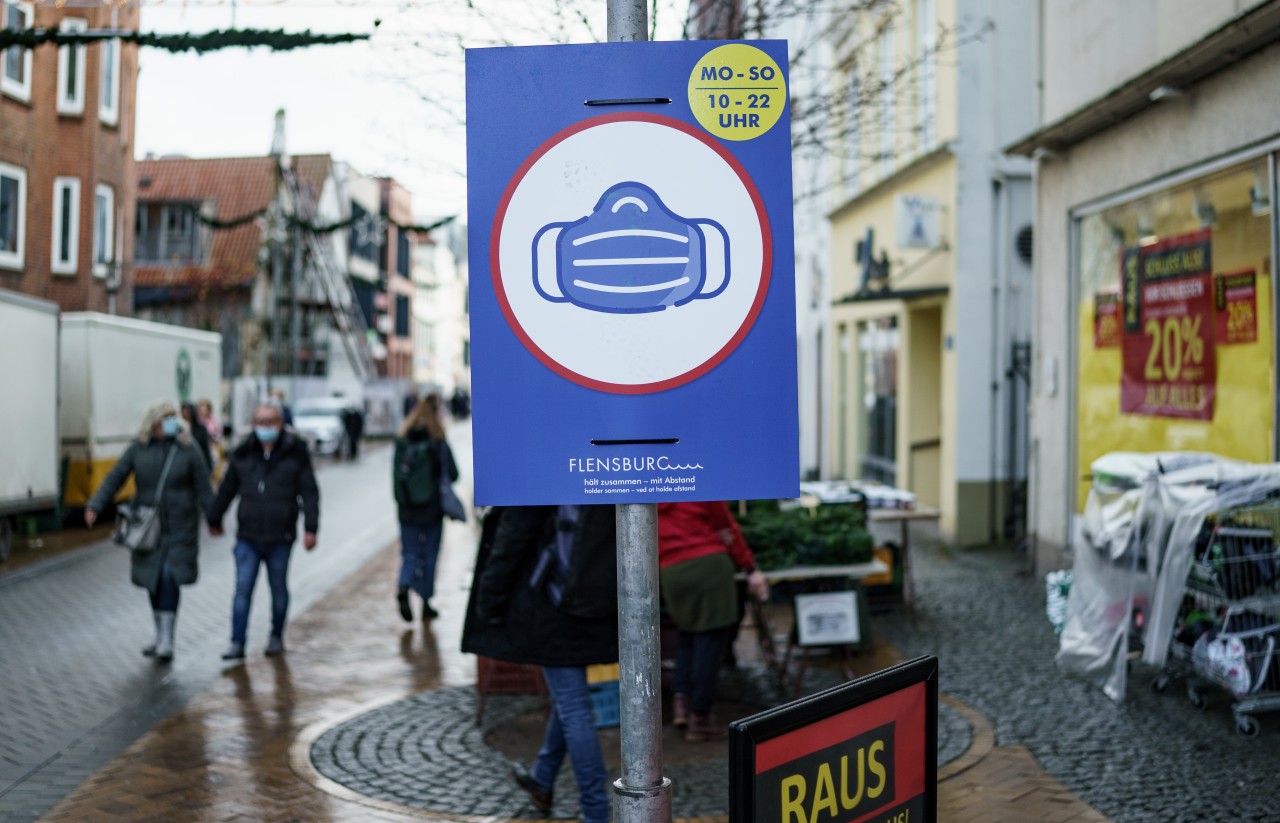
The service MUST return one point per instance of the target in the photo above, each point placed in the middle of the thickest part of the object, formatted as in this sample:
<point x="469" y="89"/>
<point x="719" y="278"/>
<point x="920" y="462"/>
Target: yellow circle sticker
<point x="737" y="92"/>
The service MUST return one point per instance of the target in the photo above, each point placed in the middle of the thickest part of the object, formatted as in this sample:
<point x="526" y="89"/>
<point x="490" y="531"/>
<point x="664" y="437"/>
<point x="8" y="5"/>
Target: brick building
<point x="397" y="266"/>
<point x="66" y="160"/>
<point x="221" y="246"/>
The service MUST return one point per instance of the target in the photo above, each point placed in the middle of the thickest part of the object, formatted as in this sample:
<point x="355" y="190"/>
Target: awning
<point x="1221" y="49"/>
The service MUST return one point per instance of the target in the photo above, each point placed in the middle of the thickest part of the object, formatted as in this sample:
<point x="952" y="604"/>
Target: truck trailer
<point x="112" y="369"/>
<point x="29" y="412"/>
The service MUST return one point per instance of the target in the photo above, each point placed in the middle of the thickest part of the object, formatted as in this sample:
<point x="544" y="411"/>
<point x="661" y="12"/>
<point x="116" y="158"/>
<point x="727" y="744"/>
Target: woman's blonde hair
<point x="156" y="412"/>
<point x="425" y="415"/>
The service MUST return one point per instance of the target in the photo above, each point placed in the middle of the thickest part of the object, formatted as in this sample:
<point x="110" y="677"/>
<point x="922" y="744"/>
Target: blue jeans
<point x="419" y="548"/>
<point x="571" y="730"/>
<point x="165" y="597"/>
<point x="248" y="557"/>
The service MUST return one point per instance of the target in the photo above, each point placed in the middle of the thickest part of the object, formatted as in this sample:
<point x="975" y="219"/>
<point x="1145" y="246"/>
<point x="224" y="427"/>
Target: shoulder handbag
<point x="449" y="502"/>
<point x="138" y="524"/>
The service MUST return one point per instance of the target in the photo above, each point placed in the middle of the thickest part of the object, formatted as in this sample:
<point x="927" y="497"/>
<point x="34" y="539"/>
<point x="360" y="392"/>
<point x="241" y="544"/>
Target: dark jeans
<point x="571" y="730"/>
<point x="248" y="557"/>
<point x="165" y="596"/>
<point x="698" y="656"/>
<point x="419" y="549"/>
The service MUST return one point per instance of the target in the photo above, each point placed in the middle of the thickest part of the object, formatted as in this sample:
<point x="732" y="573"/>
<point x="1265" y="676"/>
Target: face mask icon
<point x="631" y="254"/>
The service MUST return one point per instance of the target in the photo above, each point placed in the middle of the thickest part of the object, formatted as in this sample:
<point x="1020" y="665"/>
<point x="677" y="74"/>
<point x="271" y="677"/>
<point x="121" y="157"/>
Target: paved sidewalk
<point x="242" y="750"/>
<point x="74" y="690"/>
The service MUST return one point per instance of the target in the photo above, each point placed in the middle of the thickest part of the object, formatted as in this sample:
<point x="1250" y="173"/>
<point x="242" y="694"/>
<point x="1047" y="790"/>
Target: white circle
<point x="694" y="182"/>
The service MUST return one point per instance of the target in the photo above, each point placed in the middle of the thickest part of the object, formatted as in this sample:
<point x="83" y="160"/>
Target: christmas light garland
<point x="317" y="228"/>
<point x="273" y="39"/>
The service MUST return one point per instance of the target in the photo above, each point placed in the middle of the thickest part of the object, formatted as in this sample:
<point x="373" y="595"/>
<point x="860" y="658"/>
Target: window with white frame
<point x="13" y="215"/>
<point x="104" y="210"/>
<point x="853" y="132"/>
<point x="71" y="69"/>
<point x="66" y="225"/>
<point x="888" y="122"/>
<point x="109" y="82"/>
<point x="927" y="73"/>
<point x="15" y="67"/>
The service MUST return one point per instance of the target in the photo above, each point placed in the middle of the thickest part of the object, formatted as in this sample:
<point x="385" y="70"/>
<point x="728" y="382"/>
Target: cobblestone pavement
<point x="1152" y="758"/>
<point x="240" y="744"/>
<point x="413" y="751"/>
<point x="75" y="690"/>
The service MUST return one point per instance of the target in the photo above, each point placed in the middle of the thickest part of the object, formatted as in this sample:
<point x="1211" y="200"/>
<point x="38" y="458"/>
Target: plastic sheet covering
<point x="1228" y="485"/>
<point x="1114" y="571"/>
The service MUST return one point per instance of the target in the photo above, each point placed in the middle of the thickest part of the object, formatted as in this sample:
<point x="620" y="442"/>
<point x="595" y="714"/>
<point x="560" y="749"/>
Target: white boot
<point x="150" y="651"/>
<point x="164" y="637"/>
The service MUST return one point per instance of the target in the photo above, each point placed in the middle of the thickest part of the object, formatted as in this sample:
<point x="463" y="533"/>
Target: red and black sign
<point x="1235" y="298"/>
<point x="1170" y="367"/>
<point x="862" y="752"/>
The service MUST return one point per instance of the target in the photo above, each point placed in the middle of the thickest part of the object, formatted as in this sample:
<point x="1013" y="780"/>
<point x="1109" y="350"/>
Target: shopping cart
<point x="1227" y="635"/>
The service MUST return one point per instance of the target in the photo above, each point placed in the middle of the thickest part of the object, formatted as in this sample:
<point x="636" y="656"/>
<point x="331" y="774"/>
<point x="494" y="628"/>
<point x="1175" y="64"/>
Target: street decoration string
<point x="318" y="228"/>
<point x="274" y="39"/>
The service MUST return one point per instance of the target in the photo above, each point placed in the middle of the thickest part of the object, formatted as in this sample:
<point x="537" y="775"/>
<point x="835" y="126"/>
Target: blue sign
<point x="632" y="305"/>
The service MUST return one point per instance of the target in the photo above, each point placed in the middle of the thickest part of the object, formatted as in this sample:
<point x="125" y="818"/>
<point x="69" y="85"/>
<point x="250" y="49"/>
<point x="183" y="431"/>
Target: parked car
<point x="319" y="419"/>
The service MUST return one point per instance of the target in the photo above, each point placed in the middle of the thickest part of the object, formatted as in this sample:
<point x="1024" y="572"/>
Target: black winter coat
<point x="508" y="619"/>
<point x="270" y="490"/>
<point x="186" y="492"/>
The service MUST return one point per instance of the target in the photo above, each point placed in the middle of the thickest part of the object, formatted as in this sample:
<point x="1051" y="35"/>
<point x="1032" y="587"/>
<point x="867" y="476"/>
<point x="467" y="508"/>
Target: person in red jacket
<point x="699" y="550"/>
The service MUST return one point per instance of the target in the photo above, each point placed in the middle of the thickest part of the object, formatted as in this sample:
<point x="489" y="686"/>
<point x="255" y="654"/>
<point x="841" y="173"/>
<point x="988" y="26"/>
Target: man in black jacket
<point x="271" y="471"/>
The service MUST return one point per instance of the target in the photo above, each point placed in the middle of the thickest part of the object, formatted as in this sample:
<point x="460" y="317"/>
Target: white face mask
<point x="171" y="425"/>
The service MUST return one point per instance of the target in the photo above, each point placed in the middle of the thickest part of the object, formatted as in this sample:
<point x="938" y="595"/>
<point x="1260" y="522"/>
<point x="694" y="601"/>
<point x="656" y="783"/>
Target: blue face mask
<point x="266" y="434"/>
<point x="171" y="426"/>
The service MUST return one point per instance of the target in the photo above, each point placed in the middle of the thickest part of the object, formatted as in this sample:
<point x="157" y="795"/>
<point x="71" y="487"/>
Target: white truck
<point x="112" y="368"/>
<point x="28" y="412"/>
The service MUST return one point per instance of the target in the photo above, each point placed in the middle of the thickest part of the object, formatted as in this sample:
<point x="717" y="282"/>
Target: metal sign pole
<point x="644" y="795"/>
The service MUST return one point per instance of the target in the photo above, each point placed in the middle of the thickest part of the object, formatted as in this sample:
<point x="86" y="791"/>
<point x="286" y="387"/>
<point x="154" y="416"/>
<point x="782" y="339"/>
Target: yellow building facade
<point x="923" y="304"/>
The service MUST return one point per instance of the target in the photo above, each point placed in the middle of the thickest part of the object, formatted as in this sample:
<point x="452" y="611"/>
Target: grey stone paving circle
<point x="427" y="752"/>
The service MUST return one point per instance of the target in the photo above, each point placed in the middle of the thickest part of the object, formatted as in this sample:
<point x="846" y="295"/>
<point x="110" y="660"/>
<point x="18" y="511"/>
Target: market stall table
<point x="905" y="517"/>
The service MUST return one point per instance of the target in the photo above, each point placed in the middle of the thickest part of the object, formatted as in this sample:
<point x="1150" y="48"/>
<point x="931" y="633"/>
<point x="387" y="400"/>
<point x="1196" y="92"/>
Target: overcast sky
<point x="390" y="106"/>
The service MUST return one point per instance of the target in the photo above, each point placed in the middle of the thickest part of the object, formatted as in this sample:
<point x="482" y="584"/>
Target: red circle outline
<point x="766" y="265"/>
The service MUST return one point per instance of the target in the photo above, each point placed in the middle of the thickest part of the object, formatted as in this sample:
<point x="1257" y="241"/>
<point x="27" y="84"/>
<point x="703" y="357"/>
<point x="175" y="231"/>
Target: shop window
<point x="109" y="82"/>
<point x="1174" y="336"/>
<point x="13" y="215"/>
<point x="104" y="208"/>
<point x="15" y="68"/>
<point x="71" y="70"/>
<point x="66" y="225"/>
<point x="878" y="342"/>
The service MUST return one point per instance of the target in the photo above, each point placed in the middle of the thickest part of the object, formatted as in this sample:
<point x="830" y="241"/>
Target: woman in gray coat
<point x="175" y="561"/>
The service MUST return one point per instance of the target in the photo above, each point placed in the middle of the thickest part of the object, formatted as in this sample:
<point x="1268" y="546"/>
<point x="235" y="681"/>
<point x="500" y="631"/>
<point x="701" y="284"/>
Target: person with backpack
<point x="421" y="463"/>
<point x="545" y="593"/>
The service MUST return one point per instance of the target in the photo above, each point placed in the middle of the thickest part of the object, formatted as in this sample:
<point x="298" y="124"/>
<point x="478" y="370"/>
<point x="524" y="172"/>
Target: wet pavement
<point x="1153" y="758"/>
<point x="74" y="688"/>
<point x="95" y="732"/>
